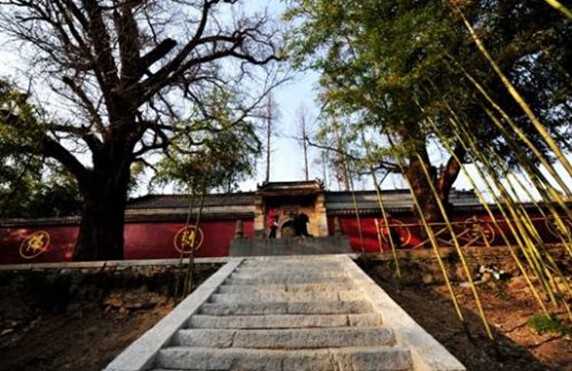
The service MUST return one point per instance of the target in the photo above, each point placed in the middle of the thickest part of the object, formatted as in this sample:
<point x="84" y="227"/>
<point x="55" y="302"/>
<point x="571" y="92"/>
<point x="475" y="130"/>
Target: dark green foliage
<point x="216" y="153"/>
<point x="37" y="191"/>
<point x="30" y="185"/>
<point x="545" y="324"/>
<point x="388" y="68"/>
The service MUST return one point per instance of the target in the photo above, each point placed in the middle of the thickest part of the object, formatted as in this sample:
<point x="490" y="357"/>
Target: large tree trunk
<point x="101" y="228"/>
<point x="442" y="183"/>
<point x="105" y="197"/>
<point x="419" y="183"/>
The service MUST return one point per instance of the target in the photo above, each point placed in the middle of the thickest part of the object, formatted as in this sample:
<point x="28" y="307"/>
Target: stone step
<point x="293" y="268"/>
<point x="284" y="321"/>
<point x="372" y="358"/>
<point x="294" y="279"/>
<point x="287" y="339"/>
<point x="286" y="314"/>
<point x="293" y="265"/>
<point x="284" y="276"/>
<point x="296" y="287"/>
<point x="312" y="296"/>
<point x="294" y="259"/>
<point x="256" y="272"/>
<point x="326" y="307"/>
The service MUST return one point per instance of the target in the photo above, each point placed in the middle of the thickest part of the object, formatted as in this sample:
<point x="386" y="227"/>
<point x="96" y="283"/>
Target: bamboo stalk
<point x="561" y="8"/>
<point x="341" y="145"/>
<point x="516" y="95"/>
<point x="516" y="150"/>
<point x="511" y="223"/>
<point x="189" y="281"/>
<point x="384" y="214"/>
<point x="458" y="249"/>
<point x="518" y="131"/>
<point x="526" y="245"/>
<point x="432" y="239"/>
<point x="533" y="255"/>
<point x="539" y="182"/>
<point x="181" y="253"/>
<point x="492" y="216"/>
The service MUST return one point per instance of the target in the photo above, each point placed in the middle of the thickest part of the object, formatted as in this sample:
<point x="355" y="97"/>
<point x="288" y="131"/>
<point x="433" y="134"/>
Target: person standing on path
<point x="273" y="222"/>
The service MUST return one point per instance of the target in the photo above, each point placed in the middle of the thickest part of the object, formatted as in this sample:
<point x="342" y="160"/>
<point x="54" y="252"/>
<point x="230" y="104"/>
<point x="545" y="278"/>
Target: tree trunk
<point x="448" y="175"/>
<point x="268" y="151"/>
<point x="105" y="197"/>
<point x="101" y="228"/>
<point x="442" y="182"/>
<point x="419" y="183"/>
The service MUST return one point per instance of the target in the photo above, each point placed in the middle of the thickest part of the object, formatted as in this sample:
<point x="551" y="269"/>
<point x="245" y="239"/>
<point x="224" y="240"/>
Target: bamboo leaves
<point x="435" y="86"/>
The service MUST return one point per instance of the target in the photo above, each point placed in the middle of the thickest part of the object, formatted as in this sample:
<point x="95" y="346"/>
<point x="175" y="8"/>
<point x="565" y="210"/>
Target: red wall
<point x="59" y="248"/>
<point x="155" y="240"/>
<point x="467" y="228"/>
<point x="150" y="240"/>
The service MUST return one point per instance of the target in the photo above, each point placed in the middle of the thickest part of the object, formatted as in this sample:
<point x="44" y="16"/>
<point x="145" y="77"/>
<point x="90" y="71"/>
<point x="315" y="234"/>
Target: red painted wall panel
<point x="37" y="244"/>
<point x="150" y="240"/>
<point x="470" y="230"/>
<point x="156" y="239"/>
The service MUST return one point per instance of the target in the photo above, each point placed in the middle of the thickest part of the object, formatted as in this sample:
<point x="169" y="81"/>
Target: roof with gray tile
<point x="335" y="201"/>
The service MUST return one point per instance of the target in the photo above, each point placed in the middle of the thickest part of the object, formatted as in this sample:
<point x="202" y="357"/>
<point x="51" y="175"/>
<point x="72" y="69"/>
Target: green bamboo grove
<point x="373" y="89"/>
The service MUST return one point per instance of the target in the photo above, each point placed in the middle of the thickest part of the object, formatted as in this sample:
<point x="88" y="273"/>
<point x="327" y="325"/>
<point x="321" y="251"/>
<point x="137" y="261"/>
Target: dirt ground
<point x="87" y="336"/>
<point x="85" y="340"/>
<point x="517" y="346"/>
<point x="508" y="306"/>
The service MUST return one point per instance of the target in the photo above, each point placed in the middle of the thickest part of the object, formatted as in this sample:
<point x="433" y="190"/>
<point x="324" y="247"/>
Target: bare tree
<point x="129" y="70"/>
<point x="304" y="132"/>
<point x="341" y="161"/>
<point x="270" y="127"/>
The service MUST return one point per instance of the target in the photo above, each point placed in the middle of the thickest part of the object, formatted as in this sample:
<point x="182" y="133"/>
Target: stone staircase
<point x="290" y="246"/>
<point x="290" y="313"/>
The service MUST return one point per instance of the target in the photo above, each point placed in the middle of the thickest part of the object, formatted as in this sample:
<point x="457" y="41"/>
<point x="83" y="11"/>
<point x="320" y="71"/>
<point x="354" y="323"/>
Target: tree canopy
<point x="399" y="72"/>
<point x="129" y="80"/>
<point x="30" y="186"/>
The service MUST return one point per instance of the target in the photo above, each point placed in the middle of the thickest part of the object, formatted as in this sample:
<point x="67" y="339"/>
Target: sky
<point x="286" y="158"/>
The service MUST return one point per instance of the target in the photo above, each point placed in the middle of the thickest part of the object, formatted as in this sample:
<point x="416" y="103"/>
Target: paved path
<point x="287" y="313"/>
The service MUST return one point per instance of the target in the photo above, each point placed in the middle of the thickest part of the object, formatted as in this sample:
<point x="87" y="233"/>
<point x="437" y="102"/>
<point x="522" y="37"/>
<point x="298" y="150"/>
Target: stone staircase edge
<point x="140" y="355"/>
<point x="427" y="353"/>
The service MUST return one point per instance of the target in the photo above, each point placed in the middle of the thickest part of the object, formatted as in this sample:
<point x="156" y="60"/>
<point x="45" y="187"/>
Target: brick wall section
<point x="61" y="287"/>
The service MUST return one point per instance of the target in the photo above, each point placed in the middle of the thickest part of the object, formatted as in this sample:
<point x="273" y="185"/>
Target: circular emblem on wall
<point x="398" y="227"/>
<point x="559" y="229"/>
<point x="34" y="244"/>
<point x="476" y="230"/>
<point x="186" y="237"/>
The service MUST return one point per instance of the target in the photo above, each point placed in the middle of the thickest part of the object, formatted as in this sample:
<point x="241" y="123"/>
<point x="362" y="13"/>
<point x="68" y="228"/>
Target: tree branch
<point x="48" y="148"/>
<point x="105" y="63"/>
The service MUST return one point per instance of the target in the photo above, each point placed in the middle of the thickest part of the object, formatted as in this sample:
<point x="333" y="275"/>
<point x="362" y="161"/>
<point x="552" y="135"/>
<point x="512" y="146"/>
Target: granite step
<point x="293" y="259"/>
<point x="327" y="359"/>
<point x="287" y="280"/>
<point x="285" y="314"/>
<point x="294" y="268"/>
<point x="312" y="338"/>
<point x="274" y="321"/>
<point x="325" y="307"/>
<point x="300" y="287"/>
<point x="312" y="296"/>
<point x="284" y="276"/>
